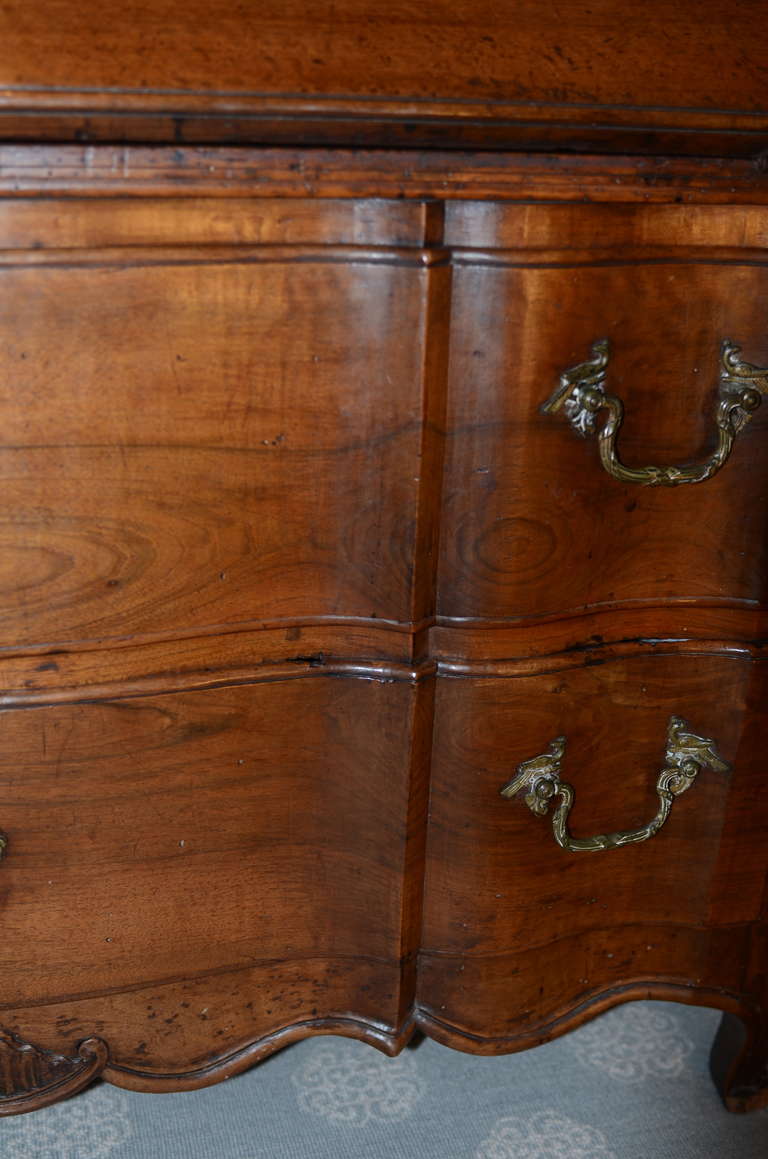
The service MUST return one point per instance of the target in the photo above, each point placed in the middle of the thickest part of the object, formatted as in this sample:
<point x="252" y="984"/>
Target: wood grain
<point x="521" y="937"/>
<point x="620" y="229"/>
<point x="184" y="441"/>
<point x="259" y="409"/>
<point x="53" y="223"/>
<point x="532" y="525"/>
<point x="494" y="74"/>
<point x="564" y="641"/>
<point x="66" y="170"/>
<point x="197" y="844"/>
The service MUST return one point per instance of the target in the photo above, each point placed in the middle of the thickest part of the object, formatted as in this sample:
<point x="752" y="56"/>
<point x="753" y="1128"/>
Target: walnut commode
<point x="303" y="309"/>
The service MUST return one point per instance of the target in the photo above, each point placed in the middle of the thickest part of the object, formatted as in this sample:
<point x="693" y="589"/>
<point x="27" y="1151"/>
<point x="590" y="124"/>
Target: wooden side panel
<point x="192" y="872"/>
<point x="533" y="525"/>
<point x="191" y="439"/>
<point x="520" y="933"/>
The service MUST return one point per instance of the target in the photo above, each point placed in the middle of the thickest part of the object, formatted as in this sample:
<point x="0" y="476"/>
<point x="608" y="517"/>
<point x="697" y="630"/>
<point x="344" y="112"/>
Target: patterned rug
<point x="633" y="1084"/>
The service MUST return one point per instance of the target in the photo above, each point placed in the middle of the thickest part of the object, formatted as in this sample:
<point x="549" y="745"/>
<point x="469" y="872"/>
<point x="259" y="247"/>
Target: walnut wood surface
<point x="645" y="78"/>
<point x="47" y="170"/>
<point x="532" y="525"/>
<point x="220" y="880"/>
<point x="519" y="933"/>
<point x="169" y="465"/>
<point x="286" y="542"/>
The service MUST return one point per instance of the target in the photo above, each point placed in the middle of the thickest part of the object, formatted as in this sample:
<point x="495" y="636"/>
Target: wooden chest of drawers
<point x="317" y="614"/>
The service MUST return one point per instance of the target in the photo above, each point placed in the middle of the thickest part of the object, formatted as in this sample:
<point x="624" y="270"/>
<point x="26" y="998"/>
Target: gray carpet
<point x="633" y="1084"/>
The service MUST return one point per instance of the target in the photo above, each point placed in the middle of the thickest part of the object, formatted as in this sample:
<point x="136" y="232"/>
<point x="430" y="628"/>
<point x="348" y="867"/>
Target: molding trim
<point x="55" y="170"/>
<point x="187" y="115"/>
<point x="120" y="257"/>
<point x="47" y="1077"/>
<point x="591" y="655"/>
<point x="302" y="667"/>
<point x="389" y="1041"/>
<point x="79" y="682"/>
<point x="636" y="990"/>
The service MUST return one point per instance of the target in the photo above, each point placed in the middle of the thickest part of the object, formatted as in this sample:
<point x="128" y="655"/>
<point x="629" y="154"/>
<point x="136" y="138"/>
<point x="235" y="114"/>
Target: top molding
<point x="605" y="76"/>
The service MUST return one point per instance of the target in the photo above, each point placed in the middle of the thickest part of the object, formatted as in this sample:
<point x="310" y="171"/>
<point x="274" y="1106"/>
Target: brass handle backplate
<point x="581" y="393"/>
<point x="539" y="778"/>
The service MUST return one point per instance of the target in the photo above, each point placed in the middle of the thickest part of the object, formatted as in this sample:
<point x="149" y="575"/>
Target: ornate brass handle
<point x="539" y="778"/>
<point x="581" y="393"/>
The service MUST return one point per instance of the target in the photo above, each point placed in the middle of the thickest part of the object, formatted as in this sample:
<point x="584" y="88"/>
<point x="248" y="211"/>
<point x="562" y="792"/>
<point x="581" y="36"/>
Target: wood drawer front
<point x="533" y="525"/>
<point x="188" y="873"/>
<point x="198" y="435"/>
<point x="517" y="930"/>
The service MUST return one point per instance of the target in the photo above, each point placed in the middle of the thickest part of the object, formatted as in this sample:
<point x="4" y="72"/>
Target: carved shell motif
<point x="31" y="1077"/>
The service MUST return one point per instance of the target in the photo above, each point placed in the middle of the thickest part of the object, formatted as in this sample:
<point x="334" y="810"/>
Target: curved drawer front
<point x="533" y="523"/>
<point x="518" y="929"/>
<point x="191" y="873"/>
<point x="195" y="433"/>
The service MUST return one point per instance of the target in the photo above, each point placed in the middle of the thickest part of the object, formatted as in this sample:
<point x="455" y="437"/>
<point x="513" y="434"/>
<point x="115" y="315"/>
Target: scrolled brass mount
<point x="581" y="394"/>
<point x="539" y="778"/>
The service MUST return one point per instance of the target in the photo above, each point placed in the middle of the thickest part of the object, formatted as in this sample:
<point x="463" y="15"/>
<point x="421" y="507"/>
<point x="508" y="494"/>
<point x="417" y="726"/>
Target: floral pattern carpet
<point x="632" y="1084"/>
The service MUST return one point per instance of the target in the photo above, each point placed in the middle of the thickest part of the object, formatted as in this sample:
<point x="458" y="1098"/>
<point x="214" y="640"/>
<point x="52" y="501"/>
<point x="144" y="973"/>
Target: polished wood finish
<point x="500" y="940"/>
<point x="274" y="869"/>
<point x="527" y="502"/>
<point x="41" y="171"/>
<point x="294" y="571"/>
<point x="605" y="76"/>
<point x="270" y="456"/>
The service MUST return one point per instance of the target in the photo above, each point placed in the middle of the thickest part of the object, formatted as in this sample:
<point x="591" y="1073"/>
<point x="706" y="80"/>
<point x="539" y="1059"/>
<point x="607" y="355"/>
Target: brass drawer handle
<point x="539" y="778"/>
<point x="581" y="393"/>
